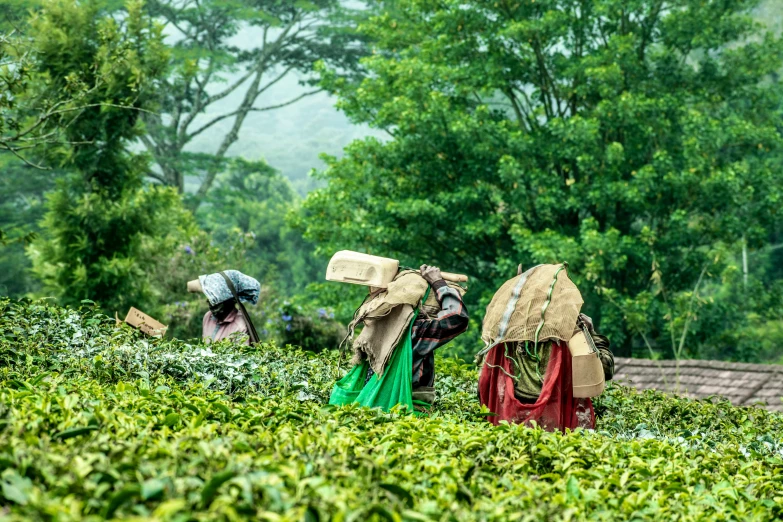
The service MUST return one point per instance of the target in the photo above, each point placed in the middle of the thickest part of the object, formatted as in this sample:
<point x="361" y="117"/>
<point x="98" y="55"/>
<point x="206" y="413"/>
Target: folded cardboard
<point x="145" y="323"/>
<point x="362" y="269"/>
<point x="587" y="371"/>
<point x="357" y="268"/>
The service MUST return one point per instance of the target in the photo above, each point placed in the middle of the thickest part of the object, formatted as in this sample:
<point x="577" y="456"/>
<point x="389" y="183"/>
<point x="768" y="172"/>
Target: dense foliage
<point x="99" y="422"/>
<point x="252" y="198"/>
<point x="100" y="214"/>
<point x="639" y="141"/>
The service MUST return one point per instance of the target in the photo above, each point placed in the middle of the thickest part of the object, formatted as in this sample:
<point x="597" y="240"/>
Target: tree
<point x="22" y="198"/>
<point x="286" y="38"/>
<point x="637" y="140"/>
<point x="25" y="126"/>
<point x="252" y="199"/>
<point x="29" y="122"/>
<point x="100" y="215"/>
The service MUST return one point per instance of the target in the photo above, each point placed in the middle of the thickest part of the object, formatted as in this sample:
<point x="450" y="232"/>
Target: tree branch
<point x="285" y="104"/>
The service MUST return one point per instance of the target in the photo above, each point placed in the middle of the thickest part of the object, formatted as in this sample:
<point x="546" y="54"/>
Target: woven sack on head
<point x="431" y="306"/>
<point x="514" y="314"/>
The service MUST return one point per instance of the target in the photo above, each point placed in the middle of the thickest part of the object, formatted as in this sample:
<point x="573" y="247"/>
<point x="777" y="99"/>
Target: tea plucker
<point x="225" y="291"/>
<point x="407" y="315"/>
<point x="530" y="380"/>
<point x="431" y="332"/>
<point x="540" y="346"/>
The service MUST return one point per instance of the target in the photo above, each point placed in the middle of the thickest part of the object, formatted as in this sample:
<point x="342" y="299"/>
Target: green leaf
<point x="169" y="508"/>
<point x="572" y="489"/>
<point x="464" y="494"/>
<point x="413" y="515"/>
<point x="120" y="498"/>
<point x="211" y="487"/>
<point x="399" y="492"/>
<point x="311" y="515"/>
<point x="152" y="488"/>
<point x="19" y="385"/>
<point x="383" y="513"/>
<point x="171" y="419"/>
<point x="39" y="378"/>
<point x="74" y="432"/>
<point x="223" y="408"/>
<point x="16" y="488"/>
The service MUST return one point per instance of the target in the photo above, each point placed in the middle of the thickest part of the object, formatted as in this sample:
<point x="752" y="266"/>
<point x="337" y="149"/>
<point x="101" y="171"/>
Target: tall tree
<point x="100" y="214"/>
<point x="209" y="65"/>
<point x="253" y="199"/>
<point x="22" y="198"/>
<point x="637" y="139"/>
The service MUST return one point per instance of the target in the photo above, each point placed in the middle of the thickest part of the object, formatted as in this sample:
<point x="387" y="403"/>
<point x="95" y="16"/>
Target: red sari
<point x="556" y="407"/>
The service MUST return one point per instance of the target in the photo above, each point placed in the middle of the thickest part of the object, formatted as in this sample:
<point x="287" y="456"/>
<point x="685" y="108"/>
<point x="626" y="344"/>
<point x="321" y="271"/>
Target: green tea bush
<point x="309" y="328"/>
<point x="99" y="422"/>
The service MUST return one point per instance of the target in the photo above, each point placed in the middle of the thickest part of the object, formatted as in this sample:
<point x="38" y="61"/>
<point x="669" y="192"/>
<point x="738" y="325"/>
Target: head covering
<point x="217" y="291"/>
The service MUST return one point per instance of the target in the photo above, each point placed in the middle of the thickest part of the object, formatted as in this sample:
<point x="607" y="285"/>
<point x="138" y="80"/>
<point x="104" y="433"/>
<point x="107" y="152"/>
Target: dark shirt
<point x="431" y="333"/>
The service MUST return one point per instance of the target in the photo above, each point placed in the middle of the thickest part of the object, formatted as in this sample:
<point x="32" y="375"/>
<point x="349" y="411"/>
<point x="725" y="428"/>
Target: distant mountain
<point x="289" y="139"/>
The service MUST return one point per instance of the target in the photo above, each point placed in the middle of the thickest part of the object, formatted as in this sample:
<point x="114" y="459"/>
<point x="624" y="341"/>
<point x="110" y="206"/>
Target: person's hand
<point x="430" y="273"/>
<point x="588" y="322"/>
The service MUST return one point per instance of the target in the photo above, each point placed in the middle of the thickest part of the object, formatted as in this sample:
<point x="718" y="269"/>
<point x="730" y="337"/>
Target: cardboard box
<point x="145" y="323"/>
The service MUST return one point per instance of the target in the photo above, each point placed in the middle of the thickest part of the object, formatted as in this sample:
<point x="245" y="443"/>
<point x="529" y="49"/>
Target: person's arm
<point x="450" y="322"/>
<point x="605" y="354"/>
<point x="602" y="343"/>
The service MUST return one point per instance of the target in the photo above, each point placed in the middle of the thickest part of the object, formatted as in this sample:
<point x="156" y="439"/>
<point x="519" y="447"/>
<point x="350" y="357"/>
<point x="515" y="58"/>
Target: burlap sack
<point x="386" y="318"/>
<point x="380" y="336"/>
<point x="514" y="314"/>
<point x="407" y="288"/>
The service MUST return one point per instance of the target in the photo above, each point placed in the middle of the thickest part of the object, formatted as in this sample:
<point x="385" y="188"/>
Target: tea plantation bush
<point x="98" y="422"/>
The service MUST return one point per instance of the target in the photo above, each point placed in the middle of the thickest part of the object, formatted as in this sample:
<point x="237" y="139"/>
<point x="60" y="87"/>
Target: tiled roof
<point x="743" y="384"/>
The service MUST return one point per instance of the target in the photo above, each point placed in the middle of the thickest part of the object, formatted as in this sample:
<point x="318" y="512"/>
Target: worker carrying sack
<point x="251" y="329"/>
<point x="386" y="316"/>
<point x="543" y="304"/>
<point x="385" y="390"/>
<point x="384" y="345"/>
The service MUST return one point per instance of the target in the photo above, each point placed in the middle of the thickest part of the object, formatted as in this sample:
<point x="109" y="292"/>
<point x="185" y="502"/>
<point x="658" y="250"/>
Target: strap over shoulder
<point x="251" y="329"/>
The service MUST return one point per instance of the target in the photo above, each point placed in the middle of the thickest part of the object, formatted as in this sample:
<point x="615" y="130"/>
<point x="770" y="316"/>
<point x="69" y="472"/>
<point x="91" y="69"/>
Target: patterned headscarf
<point x="217" y="291"/>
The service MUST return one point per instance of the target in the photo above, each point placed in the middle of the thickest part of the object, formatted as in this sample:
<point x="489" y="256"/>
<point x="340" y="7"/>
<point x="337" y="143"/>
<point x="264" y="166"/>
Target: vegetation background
<point x="145" y="143"/>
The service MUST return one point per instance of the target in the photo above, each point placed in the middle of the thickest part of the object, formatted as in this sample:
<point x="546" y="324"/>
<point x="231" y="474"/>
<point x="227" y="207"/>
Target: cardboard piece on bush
<point x="145" y="323"/>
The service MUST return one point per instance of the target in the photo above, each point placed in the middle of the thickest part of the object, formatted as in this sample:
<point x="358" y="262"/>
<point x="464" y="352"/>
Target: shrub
<point x="100" y="422"/>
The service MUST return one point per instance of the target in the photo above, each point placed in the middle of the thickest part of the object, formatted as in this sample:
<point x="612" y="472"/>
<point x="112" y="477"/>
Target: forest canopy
<point x="638" y="141"/>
